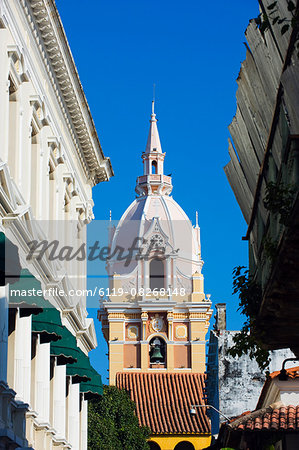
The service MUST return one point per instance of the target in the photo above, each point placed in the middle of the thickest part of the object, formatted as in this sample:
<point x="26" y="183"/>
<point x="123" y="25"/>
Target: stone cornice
<point x="53" y="46"/>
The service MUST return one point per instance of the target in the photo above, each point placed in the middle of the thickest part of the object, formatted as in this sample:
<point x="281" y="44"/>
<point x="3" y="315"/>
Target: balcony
<point x="154" y="179"/>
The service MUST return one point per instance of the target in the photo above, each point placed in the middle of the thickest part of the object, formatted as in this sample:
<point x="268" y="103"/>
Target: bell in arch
<point x="156" y="354"/>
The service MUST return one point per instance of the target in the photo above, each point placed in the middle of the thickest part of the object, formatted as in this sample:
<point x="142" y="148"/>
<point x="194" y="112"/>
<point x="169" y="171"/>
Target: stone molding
<point x="54" y="50"/>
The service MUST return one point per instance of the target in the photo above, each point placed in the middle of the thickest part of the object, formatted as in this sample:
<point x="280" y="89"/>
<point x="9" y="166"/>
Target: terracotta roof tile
<point x="277" y="419"/>
<point x="163" y="400"/>
<point x="292" y="372"/>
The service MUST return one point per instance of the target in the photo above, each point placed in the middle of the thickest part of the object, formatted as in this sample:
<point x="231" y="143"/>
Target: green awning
<point x="94" y="387"/>
<point x="48" y="325"/>
<point x="9" y="261"/>
<point x="65" y="349"/>
<point x="81" y="369"/>
<point x="63" y="344"/>
<point x="26" y="294"/>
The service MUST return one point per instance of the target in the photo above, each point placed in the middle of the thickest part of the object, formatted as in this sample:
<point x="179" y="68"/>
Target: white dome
<point x="175" y="228"/>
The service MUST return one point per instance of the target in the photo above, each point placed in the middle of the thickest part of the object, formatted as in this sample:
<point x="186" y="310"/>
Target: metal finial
<point x="153" y="101"/>
<point x="196" y="224"/>
<point x="110" y="215"/>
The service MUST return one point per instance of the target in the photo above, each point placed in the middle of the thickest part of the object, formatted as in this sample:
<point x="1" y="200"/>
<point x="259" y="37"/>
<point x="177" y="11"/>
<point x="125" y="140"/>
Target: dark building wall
<point x="233" y="383"/>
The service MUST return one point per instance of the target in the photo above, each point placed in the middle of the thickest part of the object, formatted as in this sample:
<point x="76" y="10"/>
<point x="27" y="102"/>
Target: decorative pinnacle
<point x="196" y="220"/>
<point x="153" y="101"/>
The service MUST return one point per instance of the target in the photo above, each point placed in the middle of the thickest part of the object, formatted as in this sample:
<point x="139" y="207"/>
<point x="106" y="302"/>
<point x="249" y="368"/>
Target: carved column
<point x="168" y="273"/>
<point x="170" y="325"/>
<point x="174" y="283"/>
<point x="170" y="346"/>
<point x="146" y="273"/>
<point x="143" y="343"/>
<point x="144" y="317"/>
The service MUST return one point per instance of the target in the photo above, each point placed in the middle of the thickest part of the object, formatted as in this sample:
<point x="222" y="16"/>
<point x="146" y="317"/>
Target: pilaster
<point x="83" y="424"/>
<point x="4" y="334"/>
<point x="40" y="398"/>
<point x="197" y="288"/>
<point x="73" y="405"/>
<point x="198" y="356"/>
<point x="4" y="94"/>
<point x="116" y="339"/>
<point x="143" y="343"/>
<point x="58" y="401"/>
<point x="170" y="357"/>
<point x="144" y="356"/>
<point x="116" y="360"/>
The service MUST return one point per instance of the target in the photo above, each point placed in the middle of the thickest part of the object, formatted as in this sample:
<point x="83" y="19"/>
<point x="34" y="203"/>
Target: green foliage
<point x="248" y="341"/>
<point x="270" y="248"/>
<point x="248" y="290"/>
<point x="279" y="199"/>
<point x="112" y="423"/>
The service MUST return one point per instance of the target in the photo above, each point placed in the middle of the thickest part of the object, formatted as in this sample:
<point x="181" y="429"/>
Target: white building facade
<point x="50" y="158"/>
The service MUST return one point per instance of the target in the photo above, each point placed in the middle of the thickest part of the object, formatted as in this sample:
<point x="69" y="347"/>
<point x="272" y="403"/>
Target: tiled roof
<point x="163" y="400"/>
<point x="244" y="430"/>
<point x="271" y="419"/>
<point x="292" y="372"/>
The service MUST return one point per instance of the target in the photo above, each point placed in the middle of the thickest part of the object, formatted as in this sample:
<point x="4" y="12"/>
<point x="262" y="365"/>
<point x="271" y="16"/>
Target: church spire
<point x="153" y="140"/>
<point x="153" y="181"/>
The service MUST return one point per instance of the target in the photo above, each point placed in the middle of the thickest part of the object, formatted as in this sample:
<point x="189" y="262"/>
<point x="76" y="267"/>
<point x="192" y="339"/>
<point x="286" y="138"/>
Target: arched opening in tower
<point x="156" y="274"/>
<point x="154" y="167"/>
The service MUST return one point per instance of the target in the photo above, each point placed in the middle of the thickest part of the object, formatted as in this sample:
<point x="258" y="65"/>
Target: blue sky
<point x="192" y="51"/>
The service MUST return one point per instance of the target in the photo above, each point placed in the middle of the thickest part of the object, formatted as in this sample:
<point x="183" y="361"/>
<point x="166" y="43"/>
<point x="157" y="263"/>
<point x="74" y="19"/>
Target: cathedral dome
<point x="172" y="224"/>
<point x="155" y="223"/>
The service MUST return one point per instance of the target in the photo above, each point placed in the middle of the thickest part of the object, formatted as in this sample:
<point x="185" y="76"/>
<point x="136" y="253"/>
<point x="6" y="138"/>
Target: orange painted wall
<point x="182" y="356"/>
<point x="132" y="355"/>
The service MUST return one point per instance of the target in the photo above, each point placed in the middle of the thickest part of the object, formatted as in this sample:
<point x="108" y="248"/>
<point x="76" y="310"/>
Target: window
<point x="154" y="167"/>
<point x="156" y="274"/>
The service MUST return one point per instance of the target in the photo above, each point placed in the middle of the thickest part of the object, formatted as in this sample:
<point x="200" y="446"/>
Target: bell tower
<point x="153" y="179"/>
<point x="156" y="314"/>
